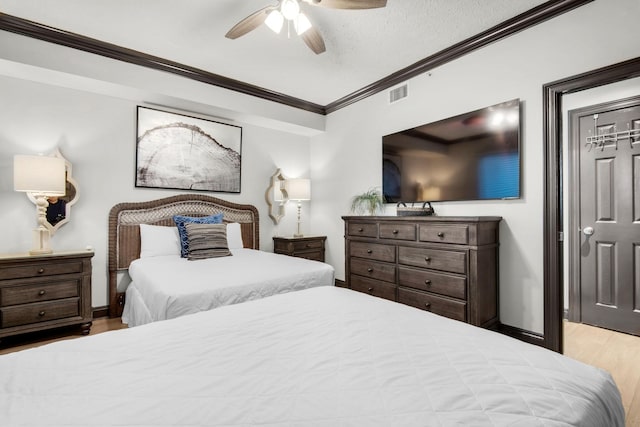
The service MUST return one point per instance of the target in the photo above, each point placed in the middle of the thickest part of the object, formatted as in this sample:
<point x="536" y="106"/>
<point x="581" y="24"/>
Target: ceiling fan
<point x="289" y="11"/>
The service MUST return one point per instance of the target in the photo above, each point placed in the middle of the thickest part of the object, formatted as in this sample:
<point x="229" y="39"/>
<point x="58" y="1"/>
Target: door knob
<point x="588" y="231"/>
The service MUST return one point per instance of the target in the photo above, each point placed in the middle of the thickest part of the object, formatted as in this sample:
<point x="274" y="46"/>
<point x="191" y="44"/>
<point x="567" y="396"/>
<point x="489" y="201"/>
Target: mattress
<point x="165" y="287"/>
<point x="323" y="356"/>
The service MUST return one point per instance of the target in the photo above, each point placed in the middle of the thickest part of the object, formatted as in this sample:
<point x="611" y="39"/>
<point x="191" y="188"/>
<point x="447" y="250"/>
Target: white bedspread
<point x="166" y="287"/>
<point x="318" y="357"/>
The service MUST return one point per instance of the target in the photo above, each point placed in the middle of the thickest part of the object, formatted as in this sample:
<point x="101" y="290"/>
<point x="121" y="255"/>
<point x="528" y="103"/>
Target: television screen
<point x="473" y="156"/>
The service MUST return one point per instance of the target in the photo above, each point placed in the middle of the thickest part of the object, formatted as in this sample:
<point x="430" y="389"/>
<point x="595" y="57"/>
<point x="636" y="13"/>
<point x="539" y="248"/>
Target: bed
<point x="324" y="356"/>
<point x="162" y="285"/>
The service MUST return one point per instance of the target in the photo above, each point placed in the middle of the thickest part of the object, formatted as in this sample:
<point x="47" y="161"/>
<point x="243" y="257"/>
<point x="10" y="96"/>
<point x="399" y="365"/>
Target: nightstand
<point x="39" y="292"/>
<point x="302" y="247"/>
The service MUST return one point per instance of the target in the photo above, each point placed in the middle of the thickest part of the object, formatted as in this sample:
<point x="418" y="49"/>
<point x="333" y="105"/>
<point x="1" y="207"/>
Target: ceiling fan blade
<point x="348" y="4"/>
<point x="249" y="23"/>
<point x="313" y="39"/>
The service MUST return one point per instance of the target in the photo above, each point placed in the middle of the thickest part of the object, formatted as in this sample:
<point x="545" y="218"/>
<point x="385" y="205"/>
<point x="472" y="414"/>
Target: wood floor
<point x="615" y="352"/>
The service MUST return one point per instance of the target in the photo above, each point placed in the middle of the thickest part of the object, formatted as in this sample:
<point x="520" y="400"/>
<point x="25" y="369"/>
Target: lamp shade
<point x="298" y="189"/>
<point x="39" y="174"/>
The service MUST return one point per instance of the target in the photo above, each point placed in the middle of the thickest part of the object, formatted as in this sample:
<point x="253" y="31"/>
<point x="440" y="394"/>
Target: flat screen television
<point x="472" y="156"/>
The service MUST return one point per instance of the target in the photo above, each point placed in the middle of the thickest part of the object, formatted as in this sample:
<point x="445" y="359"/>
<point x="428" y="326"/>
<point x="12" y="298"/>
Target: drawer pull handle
<point x="41" y="314"/>
<point x="308" y="245"/>
<point x="41" y="271"/>
<point x="395" y="231"/>
<point x="440" y="234"/>
<point x="427" y="306"/>
<point x="370" y="270"/>
<point x="42" y="292"/>
<point x="370" y="289"/>
<point x="427" y="282"/>
<point x="427" y="259"/>
<point x="369" y="251"/>
<point x="360" y="230"/>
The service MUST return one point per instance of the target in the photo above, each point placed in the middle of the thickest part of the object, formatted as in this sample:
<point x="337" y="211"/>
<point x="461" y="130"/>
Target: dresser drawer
<point x="445" y="284"/>
<point x="398" y="231"/>
<point x="39" y="312"/>
<point x="46" y="291"/>
<point x="362" y="229"/>
<point x="437" y="259"/>
<point x="373" y="287"/>
<point x="39" y="269"/>
<point x="445" y="233"/>
<point x="373" y="251"/>
<point x="297" y="245"/>
<point x="439" y="305"/>
<point x="376" y="270"/>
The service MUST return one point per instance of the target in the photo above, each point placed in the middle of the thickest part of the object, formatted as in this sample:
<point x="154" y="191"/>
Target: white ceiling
<point x="363" y="46"/>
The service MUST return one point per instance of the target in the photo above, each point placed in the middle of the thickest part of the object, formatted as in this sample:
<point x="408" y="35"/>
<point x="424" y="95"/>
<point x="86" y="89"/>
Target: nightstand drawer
<point x="445" y="233"/>
<point x="373" y="287"/>
<point x="39" y="312"/>
<point x="398" y="231"/>
<point x="453" y="286"/>
<point x="455" y="262"/>
<point x="39" y="269"/>
<point x="373" y="251"/>
<point x="443" y="306"/>
<point x="376" y="270"/>
<point x="50" y="290"/>
<point x="363" y="229"/>
<point x="307" y="244"/>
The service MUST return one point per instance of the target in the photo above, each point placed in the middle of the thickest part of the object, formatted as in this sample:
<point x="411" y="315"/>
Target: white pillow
<point x="157" y="240"/>
<point x="234" y="236"/>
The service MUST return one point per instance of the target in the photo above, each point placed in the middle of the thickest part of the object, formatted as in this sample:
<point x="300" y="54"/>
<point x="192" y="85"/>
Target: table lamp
<point x="43" y="176"/>
<point x="298" y="189"/>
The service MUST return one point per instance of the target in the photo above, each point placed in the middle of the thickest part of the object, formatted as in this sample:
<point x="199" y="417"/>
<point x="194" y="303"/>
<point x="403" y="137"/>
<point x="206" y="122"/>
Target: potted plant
<point x="369" y="203"/>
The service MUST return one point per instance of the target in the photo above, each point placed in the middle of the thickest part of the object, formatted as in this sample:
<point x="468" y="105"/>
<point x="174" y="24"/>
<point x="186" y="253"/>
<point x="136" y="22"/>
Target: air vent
<point x="398" y="93"/>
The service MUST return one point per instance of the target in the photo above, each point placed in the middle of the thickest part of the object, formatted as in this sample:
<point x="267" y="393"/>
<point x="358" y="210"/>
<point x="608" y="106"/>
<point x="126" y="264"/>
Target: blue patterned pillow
<point x="181" y="220"/>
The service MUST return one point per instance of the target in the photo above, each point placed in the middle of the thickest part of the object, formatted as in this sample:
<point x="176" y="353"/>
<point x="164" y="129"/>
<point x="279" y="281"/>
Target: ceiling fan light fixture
<point x="274" y="21"/>
<point x="302" y="23"/>
<point x="290" y="9"/>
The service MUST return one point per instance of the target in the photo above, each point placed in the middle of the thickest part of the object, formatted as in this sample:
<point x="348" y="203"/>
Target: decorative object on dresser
<point x="39" y="292"/>
<point x="446" y="265"/>
<point x="370" y="202"/>
<point x="43" y="176"/>
<point x="301" y="247"/>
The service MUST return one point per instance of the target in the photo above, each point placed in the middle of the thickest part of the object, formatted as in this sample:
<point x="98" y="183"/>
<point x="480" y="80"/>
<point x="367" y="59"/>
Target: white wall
<point x="347" y="158"/>
<point x="96" y="133"/>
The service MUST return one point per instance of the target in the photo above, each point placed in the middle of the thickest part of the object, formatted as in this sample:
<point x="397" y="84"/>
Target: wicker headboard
<point x="125" y="220"/>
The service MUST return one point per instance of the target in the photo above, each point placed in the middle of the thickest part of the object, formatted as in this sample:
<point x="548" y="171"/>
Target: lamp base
<point x="41" y="238"/>
<point x="298" y="235"/>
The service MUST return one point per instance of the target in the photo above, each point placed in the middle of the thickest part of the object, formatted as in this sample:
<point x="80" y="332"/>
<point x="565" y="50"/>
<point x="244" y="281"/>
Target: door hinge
<point x="561" y="236"/>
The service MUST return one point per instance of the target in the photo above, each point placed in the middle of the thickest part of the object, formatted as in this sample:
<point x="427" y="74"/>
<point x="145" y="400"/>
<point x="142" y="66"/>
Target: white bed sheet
<point x="325" y="356"/>
<point x="166" y="287"/>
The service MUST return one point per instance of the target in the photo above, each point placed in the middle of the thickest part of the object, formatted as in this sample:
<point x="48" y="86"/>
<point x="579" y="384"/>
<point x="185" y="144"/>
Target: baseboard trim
<point x="521" y="334"/>
<point x="102" y="311"/>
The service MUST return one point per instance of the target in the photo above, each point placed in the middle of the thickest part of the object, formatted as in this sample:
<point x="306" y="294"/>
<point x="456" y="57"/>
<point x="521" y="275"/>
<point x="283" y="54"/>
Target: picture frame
<point x="182" y="152"/>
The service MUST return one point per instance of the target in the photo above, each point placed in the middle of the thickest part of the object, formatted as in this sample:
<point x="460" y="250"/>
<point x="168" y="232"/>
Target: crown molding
<point x="505" y="29"/>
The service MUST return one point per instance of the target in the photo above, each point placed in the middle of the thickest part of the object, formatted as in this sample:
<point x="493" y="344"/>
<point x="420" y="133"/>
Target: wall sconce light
<point x="298" y="189"/>
<point x="43" y="176"/>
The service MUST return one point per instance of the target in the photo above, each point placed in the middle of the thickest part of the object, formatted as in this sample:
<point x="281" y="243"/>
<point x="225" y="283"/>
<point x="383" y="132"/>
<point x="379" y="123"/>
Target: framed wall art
<point x="177" y="151"/>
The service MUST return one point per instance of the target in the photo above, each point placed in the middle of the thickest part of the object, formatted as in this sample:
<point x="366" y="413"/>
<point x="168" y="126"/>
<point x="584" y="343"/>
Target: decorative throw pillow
<point x="207" y="241"/>
<point x="181" y="220"/>
<point x="157" y="240"/>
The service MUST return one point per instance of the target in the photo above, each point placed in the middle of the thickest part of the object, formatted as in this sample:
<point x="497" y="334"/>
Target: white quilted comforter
<point x="318" y="357"/>
<point x="166" y="287"/>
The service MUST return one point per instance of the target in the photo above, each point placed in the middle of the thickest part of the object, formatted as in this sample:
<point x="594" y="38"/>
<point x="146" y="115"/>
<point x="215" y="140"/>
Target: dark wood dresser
<point x="311" y="247"/>
<point x="39" y="292"/>
<point x="446" y="265"/>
